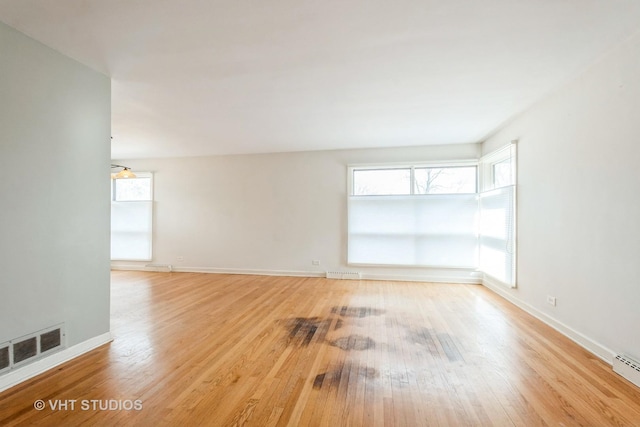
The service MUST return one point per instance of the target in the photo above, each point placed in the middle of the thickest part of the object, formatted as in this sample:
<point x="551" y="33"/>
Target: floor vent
<point x="30" y="347"/>
<point x="345" y="275"/>
<point x="628" y="368"/>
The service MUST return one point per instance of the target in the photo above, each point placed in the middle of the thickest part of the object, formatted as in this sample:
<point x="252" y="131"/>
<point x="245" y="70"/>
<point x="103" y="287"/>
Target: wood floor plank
<point x="218" y="350"/>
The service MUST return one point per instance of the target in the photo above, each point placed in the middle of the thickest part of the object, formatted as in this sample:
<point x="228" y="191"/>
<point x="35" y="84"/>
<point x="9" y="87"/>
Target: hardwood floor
<point x="206" y="349"/>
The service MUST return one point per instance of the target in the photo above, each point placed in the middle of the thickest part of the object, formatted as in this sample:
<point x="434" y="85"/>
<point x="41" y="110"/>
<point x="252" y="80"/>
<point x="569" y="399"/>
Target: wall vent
<point x="28" y="348"/>
<point x="166" y="268"/>
<point x="345" y="275"/>
<point x="5" y="362"/>
<point x="628" y="368"/>
<point x="25" y="349"/>
<point x="50" y="340"/>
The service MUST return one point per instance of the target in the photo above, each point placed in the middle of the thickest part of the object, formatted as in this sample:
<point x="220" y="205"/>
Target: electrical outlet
<point x="551" y="300"/>
<point x="180" y="258"/>
<point x="315" y="262"/>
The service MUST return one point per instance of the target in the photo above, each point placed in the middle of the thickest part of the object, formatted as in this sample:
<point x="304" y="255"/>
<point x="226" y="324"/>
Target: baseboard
<point x="582" y="340"/>
<point x="129" y="267"/>
<point x="16" y="376"/>
<point x="456" y="276"/>
<point x="249" y="272"/>
<point x="470" y="279"/>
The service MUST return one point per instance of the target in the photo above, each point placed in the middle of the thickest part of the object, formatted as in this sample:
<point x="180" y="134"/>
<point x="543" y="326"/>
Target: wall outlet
<point x="180" y="259"/>
<point x="315" y="262"/>
<point x="551" y="300"/>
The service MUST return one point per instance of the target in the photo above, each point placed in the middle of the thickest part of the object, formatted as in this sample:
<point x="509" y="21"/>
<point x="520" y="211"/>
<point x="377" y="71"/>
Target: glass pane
<point x="379" y="182"/>
<point x="502" y="174"/>
<point x="133" y="189"/>
<point x="131" y="230"/>
<point x="417" y="231"/>
<point x="445" y="180"/>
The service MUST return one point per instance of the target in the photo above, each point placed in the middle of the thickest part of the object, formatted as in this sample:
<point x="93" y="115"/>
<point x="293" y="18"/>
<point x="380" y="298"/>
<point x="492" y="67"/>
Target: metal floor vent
<point x="628" y="368"/>
<point x="345" y="275"/>
<point x="28" y="348"/>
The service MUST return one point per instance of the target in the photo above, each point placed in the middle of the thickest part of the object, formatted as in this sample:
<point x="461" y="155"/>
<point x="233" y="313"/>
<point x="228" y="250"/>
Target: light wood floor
<point x="206" y="349"/>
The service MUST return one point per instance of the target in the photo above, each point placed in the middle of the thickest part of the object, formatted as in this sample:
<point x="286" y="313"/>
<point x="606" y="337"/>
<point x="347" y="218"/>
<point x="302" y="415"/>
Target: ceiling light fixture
<point x="124" y="173"/>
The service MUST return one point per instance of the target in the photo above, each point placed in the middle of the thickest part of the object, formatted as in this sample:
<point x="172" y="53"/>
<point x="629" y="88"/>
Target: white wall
<point x="579" y="202"/>
<point x="54" y="192"/>
<point x="270" y="212"/>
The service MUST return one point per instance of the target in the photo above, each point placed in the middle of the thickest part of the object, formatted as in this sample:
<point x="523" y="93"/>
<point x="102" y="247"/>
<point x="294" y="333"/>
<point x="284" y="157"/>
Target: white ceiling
<point x="201" y="77"/>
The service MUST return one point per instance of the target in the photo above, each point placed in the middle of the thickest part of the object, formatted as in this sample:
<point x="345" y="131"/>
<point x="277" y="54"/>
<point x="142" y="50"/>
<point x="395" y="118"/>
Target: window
<point x="414" y="216"/>
<point x="498" y="215"/>
<point x="414" y="180"/>
<point x="379" y="182"/>
<point x="436" y="215"/>
<point x="132" y="189"/>
<point x="132" y="217"/>
<point x="502" y="173"/>
<point x="448" y="180"/>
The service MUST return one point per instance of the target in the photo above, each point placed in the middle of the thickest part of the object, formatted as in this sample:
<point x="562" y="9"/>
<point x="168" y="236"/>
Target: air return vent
<point x="30" y="347"/>
<point x="628" y="368"/>
<point x="50" y="340"/>
<point x="5" y="362"/>
<point x="346" y="275"/>
<point x="25" y="349"/>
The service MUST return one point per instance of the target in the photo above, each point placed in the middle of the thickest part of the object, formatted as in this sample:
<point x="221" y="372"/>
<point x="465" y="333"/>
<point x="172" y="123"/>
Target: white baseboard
<point x="284" y="273"/>
<point x="18" y="375"/>
<point x="455" y="276"/>
<point x="469" y="279"/>
<point x="582" y="340"/>
<point x="129" y="267"/>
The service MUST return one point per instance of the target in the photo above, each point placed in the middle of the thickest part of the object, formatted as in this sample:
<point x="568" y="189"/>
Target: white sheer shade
<point x="131" y="230"/>
<point x="132" y="218"/>
<point x="433" y="230"/>
<point x="497" y="227"/>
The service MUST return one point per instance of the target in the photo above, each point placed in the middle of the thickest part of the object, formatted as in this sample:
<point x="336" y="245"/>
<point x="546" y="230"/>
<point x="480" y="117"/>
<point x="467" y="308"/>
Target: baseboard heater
<point x="344" y="275"/>
<point x="628" y="368"/>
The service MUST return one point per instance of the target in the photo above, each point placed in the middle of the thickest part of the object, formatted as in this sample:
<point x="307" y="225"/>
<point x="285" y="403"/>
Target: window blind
<point x="425" y="230"/>
<point x="131" y="230"/>
<point x="497" y="232"/>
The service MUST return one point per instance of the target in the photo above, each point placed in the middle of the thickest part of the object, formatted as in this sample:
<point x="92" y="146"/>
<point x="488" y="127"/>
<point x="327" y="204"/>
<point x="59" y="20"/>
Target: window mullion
<point x="412" y="179"/>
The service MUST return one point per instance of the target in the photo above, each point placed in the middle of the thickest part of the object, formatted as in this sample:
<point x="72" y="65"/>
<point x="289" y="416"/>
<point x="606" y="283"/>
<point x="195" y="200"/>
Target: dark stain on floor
<point x="424" y="337"/>
<point x="347" y="371"/>
<point x="429" y="339"/>
<point x="319" y="379"/>
<point x="303" y="329"/>
<point x="348" y="311"/>
<point x="449" y="347"/>
<point x="353" y="342"/>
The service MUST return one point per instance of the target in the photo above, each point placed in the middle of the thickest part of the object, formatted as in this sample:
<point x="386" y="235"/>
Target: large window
<point x="498" y="215"/>
<point x="132" y="217"/>
<point x="436" y="215"/>
<point x="419" y="215"/>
